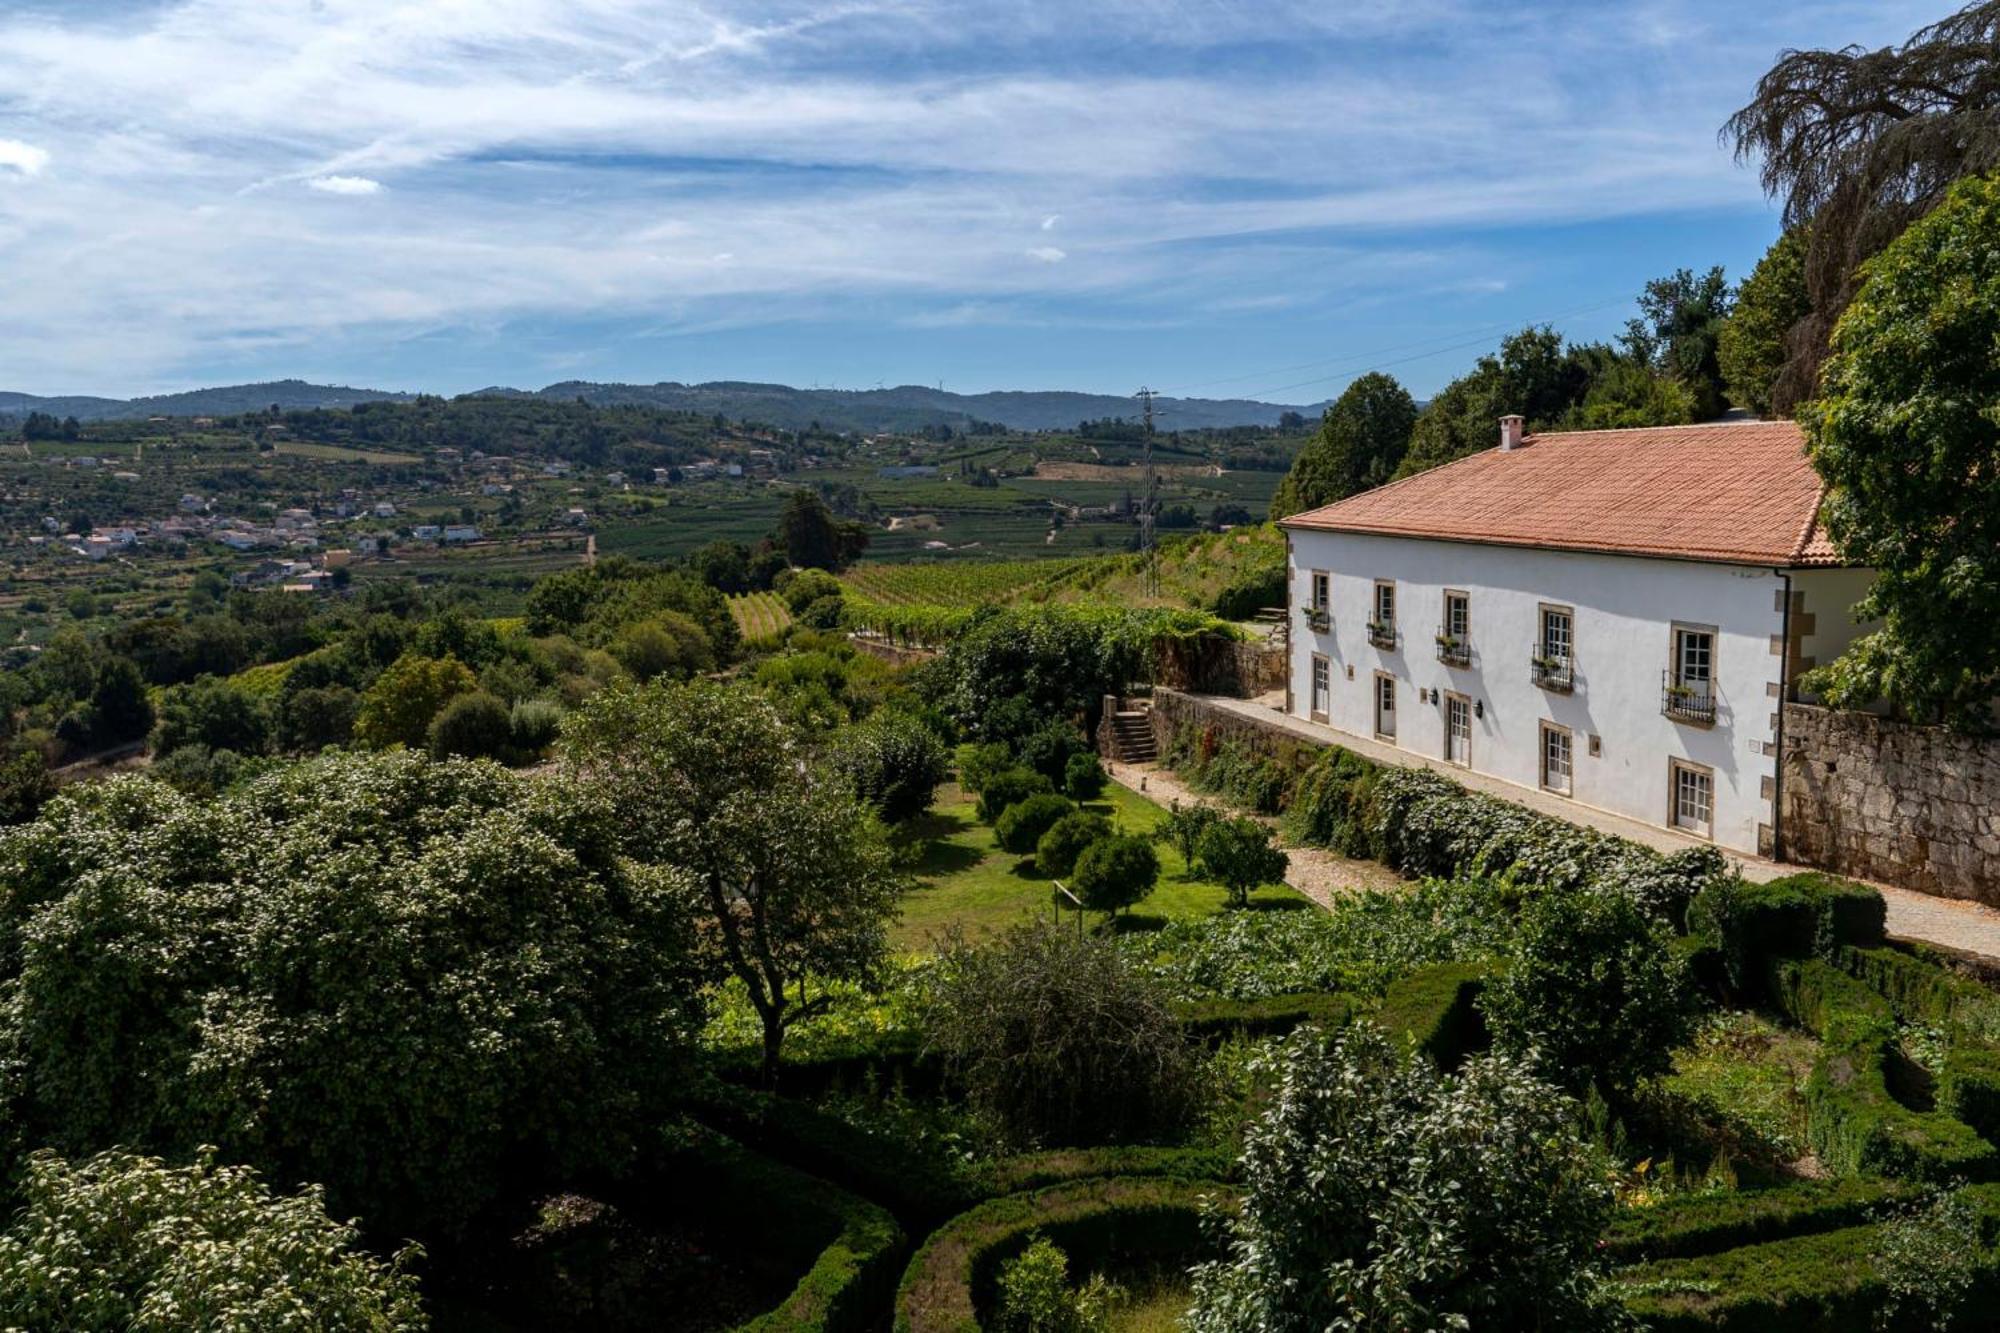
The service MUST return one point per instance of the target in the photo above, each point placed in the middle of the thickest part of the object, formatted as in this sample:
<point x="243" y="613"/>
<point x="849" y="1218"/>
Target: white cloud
<point x="563" y="158"/>
<point x="355" y="185"/>
<point x="22" y="158"/>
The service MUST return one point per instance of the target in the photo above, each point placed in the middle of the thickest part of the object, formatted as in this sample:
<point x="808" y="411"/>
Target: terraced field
<point x="759" y="613"/>
<point x="962" y="583"/>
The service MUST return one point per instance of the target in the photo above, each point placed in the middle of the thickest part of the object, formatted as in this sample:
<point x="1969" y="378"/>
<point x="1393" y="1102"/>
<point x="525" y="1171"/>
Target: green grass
<point x="1751" y="1071"/>
<point x="968" y="882"/>
<point x="1154" y="1305"/>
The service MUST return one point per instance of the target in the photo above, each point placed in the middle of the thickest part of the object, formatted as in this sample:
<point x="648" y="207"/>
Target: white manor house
<point x="1613" y="617"/>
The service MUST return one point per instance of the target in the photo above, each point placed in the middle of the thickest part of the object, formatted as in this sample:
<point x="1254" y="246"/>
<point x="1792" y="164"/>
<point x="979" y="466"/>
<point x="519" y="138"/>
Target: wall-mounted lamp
<point x="1479" y="708"/>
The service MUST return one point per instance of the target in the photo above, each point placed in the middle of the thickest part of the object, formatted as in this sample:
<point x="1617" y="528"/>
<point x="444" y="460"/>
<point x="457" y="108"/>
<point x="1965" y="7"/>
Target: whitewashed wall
<point x="1625" y="608"/>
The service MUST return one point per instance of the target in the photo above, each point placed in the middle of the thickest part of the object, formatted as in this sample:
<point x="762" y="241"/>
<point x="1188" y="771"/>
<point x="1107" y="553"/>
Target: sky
<point x="1218" y="198"/>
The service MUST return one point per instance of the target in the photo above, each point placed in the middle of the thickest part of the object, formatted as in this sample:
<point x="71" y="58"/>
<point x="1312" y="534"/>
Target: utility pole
<point x="1148" y="543"/>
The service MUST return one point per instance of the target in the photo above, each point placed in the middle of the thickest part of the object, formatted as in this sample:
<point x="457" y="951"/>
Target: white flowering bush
<point x="121" y="1243"/>
<point x="1379" y="1193"/>
<point x="397" y="977"/>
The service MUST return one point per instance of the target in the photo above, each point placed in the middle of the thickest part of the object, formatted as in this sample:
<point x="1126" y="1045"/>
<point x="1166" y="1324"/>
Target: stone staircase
<point x="1132" y="734"/>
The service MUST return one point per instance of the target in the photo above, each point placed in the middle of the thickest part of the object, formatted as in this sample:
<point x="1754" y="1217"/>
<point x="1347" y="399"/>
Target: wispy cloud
<point x="353" y="185"/>
<point x="696" y="165"/>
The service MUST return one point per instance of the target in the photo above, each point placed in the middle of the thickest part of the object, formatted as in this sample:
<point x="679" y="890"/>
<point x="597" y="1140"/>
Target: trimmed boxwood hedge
<point x="1799" y="916"/>
<point x="852" y="1245"/>
<point x="951" y="1278"/>
<point x="916" y="1188"/>
<point x="1034" y="1171"/>
<point x="1969" y="1086"/>
<point x="1923" y="988"/>
<point x="1272" y="1016"/>
<point x="1436" y="1007"/>
<point x="1686" y="1225"/>
<point x="1855" y="1122"/>
<point x="1824" y="1282"/>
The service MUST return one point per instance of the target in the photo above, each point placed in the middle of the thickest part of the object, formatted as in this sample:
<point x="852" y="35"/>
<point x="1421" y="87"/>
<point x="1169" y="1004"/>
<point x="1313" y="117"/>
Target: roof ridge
<point x="1812" y="524"/>
<point x="1654" y="430"/>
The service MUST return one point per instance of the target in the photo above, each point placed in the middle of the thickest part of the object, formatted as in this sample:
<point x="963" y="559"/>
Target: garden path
<point x="1950" y="923"/>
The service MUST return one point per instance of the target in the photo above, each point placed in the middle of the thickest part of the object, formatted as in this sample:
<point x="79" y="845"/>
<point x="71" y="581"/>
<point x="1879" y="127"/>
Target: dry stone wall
<point x="1913" y="806"/>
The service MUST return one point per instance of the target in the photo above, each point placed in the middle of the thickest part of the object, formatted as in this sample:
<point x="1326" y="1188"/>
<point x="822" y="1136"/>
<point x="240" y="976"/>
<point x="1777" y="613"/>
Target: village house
<point x="460" y="532"/>
<point x="1613" y="617"/>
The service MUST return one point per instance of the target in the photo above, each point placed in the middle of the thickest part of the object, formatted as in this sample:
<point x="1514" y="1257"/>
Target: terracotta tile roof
<point x="1741" y="492"/>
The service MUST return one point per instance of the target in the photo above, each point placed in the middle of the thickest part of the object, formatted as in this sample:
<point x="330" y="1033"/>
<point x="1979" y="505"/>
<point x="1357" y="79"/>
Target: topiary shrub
<point x="1084" y="777"/>
<point x="1021" y="825"/>
<point x="1799" y="916"/>
<point x="978" y="763"/>
<point x="1057" y="1040"/>
<point x="1010" y="787"/>
<point x="1114" y="873"/>
<point x="1436" y="1009"/>
<point x="1066" y="840"/>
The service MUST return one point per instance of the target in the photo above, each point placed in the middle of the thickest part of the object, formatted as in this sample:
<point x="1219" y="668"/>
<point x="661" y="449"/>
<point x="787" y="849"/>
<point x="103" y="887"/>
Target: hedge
<point x="1854" y="1121"/>
<point x="1437" y="1008"/>
<point x="1687" y="1225"/>
<point x="877" y="1059"/>
<point x="1035" y="1171"/>
<point x="854" y="1245"/>
<point x="1819" y="1283"/>
<point x="1968" y="1087"/>
<point x="1924" y="989"/>
<point x="1272" y="1016"/>
<point x="1799" y="916"/>
<point x="1099" y="1222"/>
<point x="913" y="1186"/>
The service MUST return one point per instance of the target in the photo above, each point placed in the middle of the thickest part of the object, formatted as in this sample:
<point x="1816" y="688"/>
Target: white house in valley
<point x="1613" y="617"/>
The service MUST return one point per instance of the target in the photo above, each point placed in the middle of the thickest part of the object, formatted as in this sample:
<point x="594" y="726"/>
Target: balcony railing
<point x="1318" y="619"/>
<point x="1687" y="700"/>
<point x="1553" y="673"/>
<point x="1454" y="649"/>
<point x="1382" y="633"/>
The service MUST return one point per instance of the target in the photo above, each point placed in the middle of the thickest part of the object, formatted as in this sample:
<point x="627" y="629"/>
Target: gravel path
<point x="1318" y="874"/>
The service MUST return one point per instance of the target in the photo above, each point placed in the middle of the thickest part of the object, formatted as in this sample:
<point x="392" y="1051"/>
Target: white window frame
<point x="1385" y="690"/>
<point x="1382" y="587"/>
<point x="1550" y="614"/>
<point x="1320" y="590"/>
<point x="1551" y="732"/>
<point x="1463" y="600"/>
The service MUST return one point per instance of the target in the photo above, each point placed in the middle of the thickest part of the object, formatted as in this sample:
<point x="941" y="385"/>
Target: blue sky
<point x="1223" y="198"/>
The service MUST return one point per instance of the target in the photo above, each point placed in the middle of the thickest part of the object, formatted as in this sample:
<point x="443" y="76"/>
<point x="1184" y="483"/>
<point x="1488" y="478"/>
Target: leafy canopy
<point x="1907" y="436"/>
<point x="1361" y="440"/>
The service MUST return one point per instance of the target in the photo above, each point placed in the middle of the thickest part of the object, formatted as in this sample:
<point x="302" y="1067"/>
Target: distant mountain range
<point x="906" y="407"/>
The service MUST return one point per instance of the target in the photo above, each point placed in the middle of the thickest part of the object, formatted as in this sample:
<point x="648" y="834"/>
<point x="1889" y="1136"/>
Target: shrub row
<point x="853" y="1245"/>
<point x="1035" y="1171"/>
<point x="877" y="1059"/>
<point x="1924" y="989"/>
<point x="1854" y="1121"/>
<point x="915" y="1187"/>
<point x="950" y="1280"/>
<point x="1436" y="1007"/>
<point x="1809" y="1283"/>
<point x="1272" y="1016"/>
<point x="1800" y="916"/>
<point x="1688" y="1225"/>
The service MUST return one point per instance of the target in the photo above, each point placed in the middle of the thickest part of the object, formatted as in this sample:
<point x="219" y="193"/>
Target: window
<point x="1693" y="797"/>
<point x="1385" y="603"/>
<point x="1385" y="706"/>
<point x="1458" y="730"/>
<point x="1558" y="634"/>
<point x="1322" y="688"/>
<point x="1319" y="612"/>
<point x="1457" y="615"/>
<point x="1689" y="695"/>
<point x="1319" y="590"/>
<point x="1556" y="758"/>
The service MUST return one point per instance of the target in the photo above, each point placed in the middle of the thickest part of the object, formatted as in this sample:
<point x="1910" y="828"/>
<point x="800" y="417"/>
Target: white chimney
<point x="1510" y="432"/>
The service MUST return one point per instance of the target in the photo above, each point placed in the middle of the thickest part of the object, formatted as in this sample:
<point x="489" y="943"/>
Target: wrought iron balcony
<point x="1382" y="633"/>
<point x="1318" y="619"/>
<point x="1553" y="673"/>
<point x="1454" y="649"/>
<point x="1687" y="700"/>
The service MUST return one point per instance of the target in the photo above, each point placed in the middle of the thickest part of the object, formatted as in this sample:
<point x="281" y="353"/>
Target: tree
<point x="1361" y="440"/>
<point x="397" y="709"/>
<point x="120" y="1242"/>
<point x="119" y="707"/>
<point x="471" y="726"/>
<point x="1066" y="839"/>
<point x="1084" y="777"/>
<point x="1595" y="992"/>
<point x="1681" y="318"/>
<point x="802" y="587"/>
<point x="669" y="644"/>
<point x="214" y="713"/>
<point x="894" y="762"/>
<point x="1379" y="1193"/>
<point x="25" y="784"/>
<point x="1534" y="375"/>
<point x="1753" y="346"/>
<point x="1858" y="145"/>
<point x="1059" y="1041"/>
<point x="1626" y="393"/>
<point x="1009" y="787"/>
<point x="795" y="876"/>
<point x="1237" y="853"/>
<point x="1907" y="437"/>
<point x="812" y="538"/>
<point x="1113" y="873"/>
<point x="1050" y="747"/>
<point x="1020" y="827"/>
<point x="417" y="983"/>
<point x="1035" y="1295"/>
<point x="1183" y="827"/>
<point x="311" y="719"/>
<point x="723" y="565"/>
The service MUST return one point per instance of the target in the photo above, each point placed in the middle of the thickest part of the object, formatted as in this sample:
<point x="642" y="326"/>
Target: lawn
<point x="967" y="881"/>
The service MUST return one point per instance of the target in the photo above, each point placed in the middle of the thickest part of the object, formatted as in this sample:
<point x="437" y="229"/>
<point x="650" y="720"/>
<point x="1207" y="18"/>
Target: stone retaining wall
<point x="1913" y="806"/>
<point x="1237" y="669"/>
<point x="1174" y="710"/>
